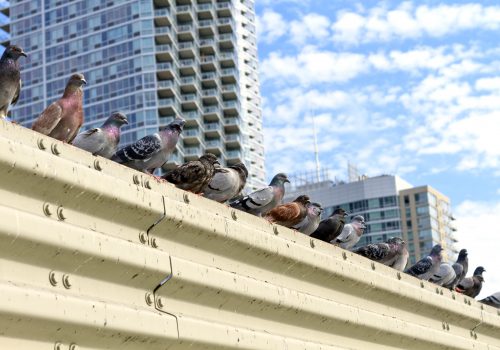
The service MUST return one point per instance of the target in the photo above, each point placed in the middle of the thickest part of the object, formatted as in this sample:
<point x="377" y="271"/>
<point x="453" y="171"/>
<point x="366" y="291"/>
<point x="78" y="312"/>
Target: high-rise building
<point x="154" y="60"/>
<point x="392" y="208"/>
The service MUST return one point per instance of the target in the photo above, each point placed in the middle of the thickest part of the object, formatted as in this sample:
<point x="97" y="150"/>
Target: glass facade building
<point x="153" y="60"/>
<point x="391" y="208"/>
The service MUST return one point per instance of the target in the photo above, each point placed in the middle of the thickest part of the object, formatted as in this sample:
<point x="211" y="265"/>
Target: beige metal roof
<point x="97" y="256"/>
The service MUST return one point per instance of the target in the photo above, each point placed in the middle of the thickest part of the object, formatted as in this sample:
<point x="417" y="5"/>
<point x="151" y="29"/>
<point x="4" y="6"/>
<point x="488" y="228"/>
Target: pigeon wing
<point x="16" y="94"/>
<point x="187" y="173"/>
<point x="286" y="213"/>
<point x="466" y="283"/>
<point x="375" y="252"/>
<point x="221" y="181"/>
<point x="92" y="140"/>
<point x="255" y="199"/>
<point x="143" y="149"/>
<point x="48" y="120"/>
<point x="420" y="267"/>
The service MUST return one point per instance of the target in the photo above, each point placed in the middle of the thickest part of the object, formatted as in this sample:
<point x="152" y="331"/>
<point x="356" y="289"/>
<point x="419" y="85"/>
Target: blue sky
<point x="405" y="88"/>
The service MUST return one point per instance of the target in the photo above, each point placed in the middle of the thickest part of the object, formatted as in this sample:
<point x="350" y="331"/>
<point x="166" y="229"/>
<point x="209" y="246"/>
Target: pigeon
<point x="262" y="201"/>
<point x="227" y="183"/>
<point x="62" y="119"/>
<point x="492" y="300"/>
<point x="460" y="268"/>
<point x="311" y="221"/>
<point x="10" y="78"/>
<point x="444" y="276"/>
<point x="351" y="233"/>
<point x="428" y="266"/>
<point x="330" y="228"/>
<point x="289" y="214"/>
<point x="471" y="286"/>
<point x="195" y="175"/>
<point x="152" y="151"/>
<point x="102" y="141"/>
<point x="392" y="253"/>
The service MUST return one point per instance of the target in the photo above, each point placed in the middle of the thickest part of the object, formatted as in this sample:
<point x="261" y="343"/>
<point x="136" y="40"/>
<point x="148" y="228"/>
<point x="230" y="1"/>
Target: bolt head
<point x="41" y="144"/>
<point x="52" y="278"/>
<point x="55" y="149"/>
<point x="97" y="165"/>
<point x="60" y="213"/>
<point x="46" y="209"/>
<point x="66" y="282"/>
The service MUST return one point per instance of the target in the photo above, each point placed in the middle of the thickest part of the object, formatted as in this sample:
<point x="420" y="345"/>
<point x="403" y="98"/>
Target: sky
<point x="403" y="88"/>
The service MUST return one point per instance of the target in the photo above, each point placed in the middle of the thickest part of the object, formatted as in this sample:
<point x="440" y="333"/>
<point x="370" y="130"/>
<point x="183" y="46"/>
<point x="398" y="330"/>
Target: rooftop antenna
<point x="316" y="152"/>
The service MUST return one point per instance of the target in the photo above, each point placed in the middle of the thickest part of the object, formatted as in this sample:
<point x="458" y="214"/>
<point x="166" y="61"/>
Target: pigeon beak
<point x="23" y="54"/>
<point x="84" y="81"/>
<point x="125" y="121"/>
<point x="286" y="180"/>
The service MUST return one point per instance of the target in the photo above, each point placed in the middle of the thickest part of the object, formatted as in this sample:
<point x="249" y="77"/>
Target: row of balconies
<point x="223" y="8"/>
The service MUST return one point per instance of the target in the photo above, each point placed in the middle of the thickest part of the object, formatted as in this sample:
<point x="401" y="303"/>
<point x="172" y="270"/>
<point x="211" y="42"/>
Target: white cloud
<point x="488" y="84"/>
<point x="311" y="26"/>
<point x="478" y="234"/>
<point x="271" y="26"/>
<point x="409" y="22"/>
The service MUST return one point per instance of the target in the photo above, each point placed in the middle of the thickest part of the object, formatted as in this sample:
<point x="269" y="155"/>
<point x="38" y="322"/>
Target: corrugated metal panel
<point x="97" y="256"/>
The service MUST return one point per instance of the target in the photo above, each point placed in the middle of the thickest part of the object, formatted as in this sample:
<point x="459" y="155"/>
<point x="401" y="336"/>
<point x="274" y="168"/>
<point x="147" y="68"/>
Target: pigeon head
<point x="479" y="271"/>
<point x="13" y="52"/>
<point x="303" y="199"/>
<point x="241" y="169"/>
<point x="396" y="240"/>
<point x="210" y="158"/>
<point x="436" y="250"/>
<point x="279" y="179"/>
<point x="177" y="125"/>
<point x="315" y="208"/>
<point x="462" y="254"/>
<point x="117" y="119"/>
<point x="77" y="79"/>
<point x="340" y="211"/>
<point x="360" y="220"/>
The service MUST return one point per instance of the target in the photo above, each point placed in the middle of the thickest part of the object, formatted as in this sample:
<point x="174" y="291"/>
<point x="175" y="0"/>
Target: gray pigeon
<point x="460" y="268"/>
<point x="63" y="118"/>
<point x="492" y="300"/>
<point x="152" y="151"/>
<point x="311" y="221"/>
<point x="351" y="233"/>
<point x="392" y="253"/>
<point x="471" y="286"/>
<point x="10" y="78"/>
<point x="428" y="266"/>
<point x="227" y="183"/>
<point x="262" y="201"/>
<point x="195" y="175"/>
<point x="444" y="276"/>
<point x="102" y="141"/>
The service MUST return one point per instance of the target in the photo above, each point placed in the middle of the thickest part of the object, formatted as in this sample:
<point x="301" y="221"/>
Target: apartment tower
<point x="153" y="60"/>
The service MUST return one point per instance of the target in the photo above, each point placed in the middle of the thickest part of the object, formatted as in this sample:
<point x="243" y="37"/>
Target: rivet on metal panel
<point x="136" y="179"/>
<point x="468" y="302"/>
<point x="46" y="209"/>
<point x="437" y="290"/>
<point x="482" y="307"/>
<point x="475" y="335"/>
<point x="465" y="300"/>
<point x="444" y="325"/>
<point x="422" y="284"/>
<point x="185" y="196"/>
<point x="441" y="292"/>
<point x="311" y="242"/>
<point x="159" y="302"/>
<point x="41" y="144"/>
<point x="73" y="346"/>
<point x="149" y="299"/>
<point x="447" y="326"/>
<point x="143" y="237"/>
<point x="399" y="275"/>
<point x="97" y="165"/>
<point x="453" y="296"/>
<point x="233" y="215"/>
<point x="147" y="184"/>
<point x="60" y="213"/>
<point x="55" y="149"/>
<point x="154" y="244"/>
<point x="373" y="265"/>
<point x="275" y="230"/>
<point x="66" y="282"/>
<point x="52" y="278"/>
<point x="58" y="346"/>
<point x="344" y="255"/>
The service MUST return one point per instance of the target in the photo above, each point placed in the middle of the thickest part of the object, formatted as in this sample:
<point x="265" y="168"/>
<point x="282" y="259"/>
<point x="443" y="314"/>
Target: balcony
<point x="187" y="49"/>
<point x="228" y="59"/>
<point x="192" y="136"/>
<point x="193" y="119"/>
<point x="165" y="52"/>
<point x="208" y="63"/>
<point x="228" y="75"/>
<point x="232" y="124"/>
<point x="205" y="9"/>
<point x="186" y="32"/>
<point x="231" y="107"/>
<point x="163" y="34"/>
<point x="210" y="96"/>
<point x="210" y="78"/>
<point x="227" y="41"/>
<point x="230" y="91"/>
<point x="207" y="27"/>
<point x="188" y="66"/>
<point x="169" y="106"/>
<point x="232" y="140"/>
<point x="207" y="46"/>
<point x="211" y="144"/>
<point x="190" y="101"/>
<point x="213" y="130"/>
<point x="225" y="24"/>
<point x="185" y="13"/>
<point x="190" y="84"/>
<point x="224" y="9"/>
<point x="166" y="71"/>
<point x="193" y="153"/>
<point x="233" y="157"/>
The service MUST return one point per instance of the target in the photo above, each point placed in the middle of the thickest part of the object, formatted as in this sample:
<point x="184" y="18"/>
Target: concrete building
<point x="154" y="60"/>
<point x="392" y="208"/>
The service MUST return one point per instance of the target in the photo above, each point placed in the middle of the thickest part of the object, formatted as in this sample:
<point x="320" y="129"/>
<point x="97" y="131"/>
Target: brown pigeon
<point x="62" y="119"/>
<point x="471" y="286"/>
<point x="195" y="175"/>
<point x="289" y="214"/>
<point x="10" y="78"/>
